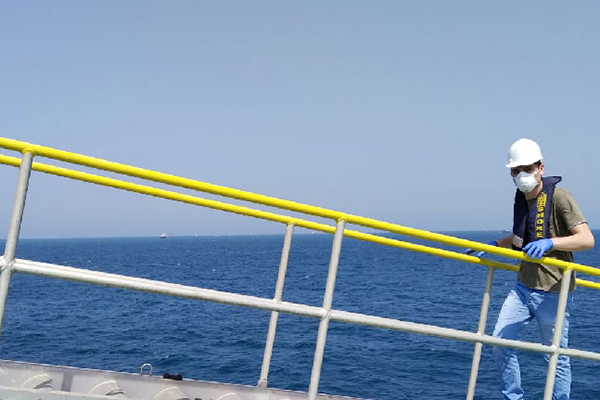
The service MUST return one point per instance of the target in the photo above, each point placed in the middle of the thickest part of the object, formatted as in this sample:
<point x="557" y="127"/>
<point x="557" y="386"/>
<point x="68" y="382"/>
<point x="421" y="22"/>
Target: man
<point x="547" y="222"/>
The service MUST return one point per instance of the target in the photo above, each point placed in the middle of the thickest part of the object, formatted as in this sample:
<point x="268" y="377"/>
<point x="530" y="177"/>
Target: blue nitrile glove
<point x="538" y="248"/>
<point x="480" y="253"/>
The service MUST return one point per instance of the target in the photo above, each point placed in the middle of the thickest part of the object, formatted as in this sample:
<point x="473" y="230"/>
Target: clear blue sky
<point x="397" y="110"/>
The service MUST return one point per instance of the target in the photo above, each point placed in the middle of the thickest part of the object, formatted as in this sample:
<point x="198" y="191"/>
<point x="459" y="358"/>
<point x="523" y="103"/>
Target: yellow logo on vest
<point x="539" y="217"/>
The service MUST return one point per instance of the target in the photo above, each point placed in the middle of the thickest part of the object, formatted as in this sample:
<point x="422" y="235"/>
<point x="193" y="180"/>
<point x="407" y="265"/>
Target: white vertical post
<point x="558" y="327"/>
<point x="485" y="304"/>
<point x="287" y="241"/>
<point x="327" y="302"/>
<point x="14" y="228"/>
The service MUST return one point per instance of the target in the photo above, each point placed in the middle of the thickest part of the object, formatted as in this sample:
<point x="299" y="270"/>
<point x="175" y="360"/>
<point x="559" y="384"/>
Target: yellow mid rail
<point x="123" y="169"/>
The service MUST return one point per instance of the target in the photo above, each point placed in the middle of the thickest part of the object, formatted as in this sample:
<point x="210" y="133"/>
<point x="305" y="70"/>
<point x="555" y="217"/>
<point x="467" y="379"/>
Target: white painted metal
<point x="125" y="282"/>
<point x="38" y="382"/>
<point x="171" y="393"/>
<point x="327" y="302"/>
<point x="171" y="289"/>
<point x="558" y="325"/>
<point x="485" y="304"/>
<point x="108" y="388"/>
<point x="38" y="377"/>
<point x="588" y="355"/>
<point x="18" y="206"/>
<point x="285" y="254"/>
<point x="66" y="383"/>
<point x="14" y="228"/>
<point x="143" y="368"/>
<point x="430" y="330"/>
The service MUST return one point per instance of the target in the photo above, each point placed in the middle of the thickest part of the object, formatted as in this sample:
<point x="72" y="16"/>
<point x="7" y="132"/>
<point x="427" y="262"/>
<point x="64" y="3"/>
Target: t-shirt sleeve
<point x="567" y="208"/>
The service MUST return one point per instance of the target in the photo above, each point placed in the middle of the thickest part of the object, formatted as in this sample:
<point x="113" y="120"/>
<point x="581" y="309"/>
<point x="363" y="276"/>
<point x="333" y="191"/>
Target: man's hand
<point x="538" y="248"/>
<point x="480" y="253"/>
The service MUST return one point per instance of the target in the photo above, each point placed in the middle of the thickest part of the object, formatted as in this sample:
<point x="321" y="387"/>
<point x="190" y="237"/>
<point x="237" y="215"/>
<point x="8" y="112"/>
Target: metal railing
<point x="325" y="313"/>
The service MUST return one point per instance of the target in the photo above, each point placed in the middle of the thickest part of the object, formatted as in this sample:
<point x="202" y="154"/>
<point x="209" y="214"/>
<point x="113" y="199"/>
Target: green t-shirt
<point x="564" y="216"/>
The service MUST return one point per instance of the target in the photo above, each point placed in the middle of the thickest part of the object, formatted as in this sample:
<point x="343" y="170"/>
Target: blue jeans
<point x="522" y="305"/>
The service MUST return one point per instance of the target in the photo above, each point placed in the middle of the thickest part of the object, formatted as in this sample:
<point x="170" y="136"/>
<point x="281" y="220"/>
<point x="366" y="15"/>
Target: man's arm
<point x="505" y="241"/>
<point x="581" y="239"/>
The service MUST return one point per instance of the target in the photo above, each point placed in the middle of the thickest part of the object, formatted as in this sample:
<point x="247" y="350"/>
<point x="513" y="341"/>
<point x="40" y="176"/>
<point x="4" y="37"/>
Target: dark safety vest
<point x="530" y="224"/>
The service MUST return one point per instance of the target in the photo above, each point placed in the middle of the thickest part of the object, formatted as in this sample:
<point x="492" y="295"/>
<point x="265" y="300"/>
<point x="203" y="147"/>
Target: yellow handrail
<point x="161" y="193"/>
<point x="269" y="201"/>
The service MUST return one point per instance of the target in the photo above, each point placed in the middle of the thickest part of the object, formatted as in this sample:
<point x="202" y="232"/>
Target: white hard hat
<point x="523" y="152"/>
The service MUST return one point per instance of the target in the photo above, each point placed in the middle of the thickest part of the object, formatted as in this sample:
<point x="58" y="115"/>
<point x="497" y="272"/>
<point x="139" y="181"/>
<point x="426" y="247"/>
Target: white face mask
<point x="526" y="182"/>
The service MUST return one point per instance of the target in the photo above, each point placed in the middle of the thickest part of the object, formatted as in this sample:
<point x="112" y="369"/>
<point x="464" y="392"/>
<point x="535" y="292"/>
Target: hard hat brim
<point x="521" y="163"/>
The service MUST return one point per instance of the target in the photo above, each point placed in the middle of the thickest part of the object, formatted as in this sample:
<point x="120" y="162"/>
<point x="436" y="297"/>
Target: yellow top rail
<point x="173" y="180"/>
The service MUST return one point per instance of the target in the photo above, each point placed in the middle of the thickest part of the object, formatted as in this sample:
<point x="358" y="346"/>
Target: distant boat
<point x="163" y="235"/>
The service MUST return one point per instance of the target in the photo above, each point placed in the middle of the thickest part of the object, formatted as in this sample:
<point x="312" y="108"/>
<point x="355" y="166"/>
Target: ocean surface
<point x="65" y="323"/>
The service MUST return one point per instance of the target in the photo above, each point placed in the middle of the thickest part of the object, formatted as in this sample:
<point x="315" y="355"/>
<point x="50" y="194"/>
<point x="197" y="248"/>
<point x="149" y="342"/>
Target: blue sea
<point x="65" y="323"/>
